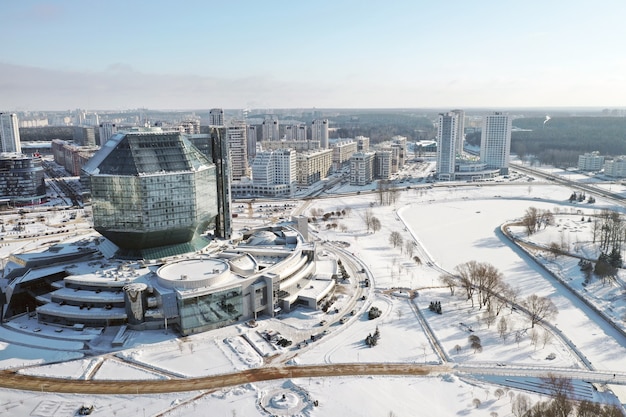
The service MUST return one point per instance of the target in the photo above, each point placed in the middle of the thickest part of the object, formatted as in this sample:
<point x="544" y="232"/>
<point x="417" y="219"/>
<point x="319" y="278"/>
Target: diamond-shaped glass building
<point x="151" y="188"/>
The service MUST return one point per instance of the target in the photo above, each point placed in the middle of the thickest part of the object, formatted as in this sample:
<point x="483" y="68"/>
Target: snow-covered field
<point x="451" y="225"/>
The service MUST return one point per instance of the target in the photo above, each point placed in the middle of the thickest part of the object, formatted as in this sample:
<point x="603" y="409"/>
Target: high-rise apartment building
<point x="270" y="129"/>
<point x="216" y="117"/>
<point x="319" y="131"/>
<point x="382" y="164"/>
<point x="236" y="132"/>
<point x="460" y="128"/>
<point x="447" y="132"/>
<point x="362" y="143"/>
<point x="9" y="133"/>
<point x="105" y="131"/>
<point x="252" y="140"/>
<point x="295" y="132"/>
<point x="190" y="126"/>
<point x="342" y="151"/>
<point x="274" y="167"/>
<point x="84" y="135"/>
<point x="495" y="141"/>
<point x="362" y="168"/>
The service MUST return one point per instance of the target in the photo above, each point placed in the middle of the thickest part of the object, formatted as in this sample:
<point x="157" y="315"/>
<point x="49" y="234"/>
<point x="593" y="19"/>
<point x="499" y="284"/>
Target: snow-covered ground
<point x="450" y="225"/>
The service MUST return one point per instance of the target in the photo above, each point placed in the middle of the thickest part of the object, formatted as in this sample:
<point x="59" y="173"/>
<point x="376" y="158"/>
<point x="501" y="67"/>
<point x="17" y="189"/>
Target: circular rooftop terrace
<point x="193" y="273"/>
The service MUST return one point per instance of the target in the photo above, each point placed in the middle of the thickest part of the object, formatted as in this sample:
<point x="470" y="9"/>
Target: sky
<point x="195" y="54"/>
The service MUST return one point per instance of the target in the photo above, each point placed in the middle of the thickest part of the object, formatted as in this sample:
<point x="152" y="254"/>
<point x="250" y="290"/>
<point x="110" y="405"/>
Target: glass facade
<point x="21" y="178"/>
<point x="152" y="189"/>
<point x="210" y="311"/>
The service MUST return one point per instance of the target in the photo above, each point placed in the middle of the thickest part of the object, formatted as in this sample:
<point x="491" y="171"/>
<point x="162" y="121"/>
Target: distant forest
<point x="382" y="126"/>
<point x="560" y="140"/>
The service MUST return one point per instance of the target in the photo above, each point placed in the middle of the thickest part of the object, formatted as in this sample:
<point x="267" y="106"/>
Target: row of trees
<point x="484" y="286"/>
<point x="561" y="403"/>
<point x="387" y="193"/>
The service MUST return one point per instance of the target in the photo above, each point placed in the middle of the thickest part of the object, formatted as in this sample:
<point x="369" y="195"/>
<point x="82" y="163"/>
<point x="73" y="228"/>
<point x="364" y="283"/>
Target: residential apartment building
<point x="273" y="175"/>
<point x="9" y="133"/>
<point x="105" y="131"/>
<point x="252" y="140"/>
<point x="270" y="129"/>
<point x="216" y="117"/>
<point x="295" y="132"/>
<point x="590" y="161"/>
<point x="313" y="166"/>
<point x="319" y="132"/>
<point x="70" y="156"/>
<point x="362" y="168"/>
<point x="298" y="145"/>
<point x="342" y="151"/>
<point x="362" y="143"/>
<point x="236" y="133"/>
<point x="382" y="164"/>
<point x="495" y="141"/>
<point x="447" y="135"/>
<point x="460" y="130"/>
<point x="616" y="167"/>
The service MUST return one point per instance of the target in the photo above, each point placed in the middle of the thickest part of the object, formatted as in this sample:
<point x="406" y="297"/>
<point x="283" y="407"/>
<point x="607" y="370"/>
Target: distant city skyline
<point x="117" y="55"/>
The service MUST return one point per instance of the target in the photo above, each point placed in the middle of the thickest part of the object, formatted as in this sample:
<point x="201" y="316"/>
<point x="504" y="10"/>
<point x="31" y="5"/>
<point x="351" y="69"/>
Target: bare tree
<point x="505" y="294"/>
<point x="589" y="409"/>
<point x="375" y="224"/>
<point x="534" y="337"/>
<point x="555" y="249"/>
<point x="561" y="390"/>
<point x="489" y="318"/>
<point x="466" y="272"/>
<point x="479" y="278"/>
<point x="367" y="217"/>
<point x="448" y="281"/>
<point x="546" y="218"/>
<point x="395" y="238"/>
<point x="521" y="405"/>
<point x="530" y="220"/>
<point x="409" y="247"/>
<point x="499" y="393"/>
<point x="539" y="308"/>
<point x="503" y="326"/>
<point x="546" y="337"/>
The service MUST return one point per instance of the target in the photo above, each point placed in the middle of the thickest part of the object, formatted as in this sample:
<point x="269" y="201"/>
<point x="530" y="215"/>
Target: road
<point x="12" y="380"/>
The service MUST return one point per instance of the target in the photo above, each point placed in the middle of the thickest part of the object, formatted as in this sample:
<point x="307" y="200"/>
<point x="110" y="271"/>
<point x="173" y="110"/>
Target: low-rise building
<point x="590" y="161"/>
<point x="616" y="167"/>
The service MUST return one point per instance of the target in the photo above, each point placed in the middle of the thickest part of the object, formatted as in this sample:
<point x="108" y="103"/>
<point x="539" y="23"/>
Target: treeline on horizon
<point x="382" y="126"/>
<point x="560" y="140"/>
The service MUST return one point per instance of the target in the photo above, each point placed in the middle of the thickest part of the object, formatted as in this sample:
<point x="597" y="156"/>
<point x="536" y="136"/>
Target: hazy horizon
<point x="117" y="55"/>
